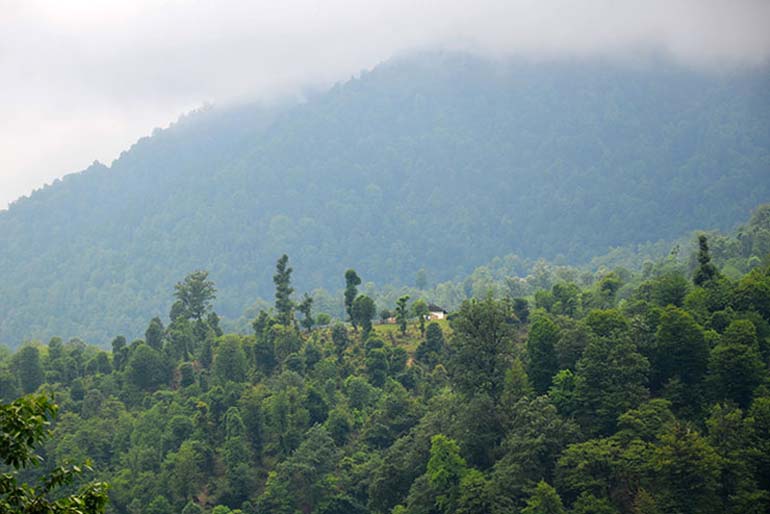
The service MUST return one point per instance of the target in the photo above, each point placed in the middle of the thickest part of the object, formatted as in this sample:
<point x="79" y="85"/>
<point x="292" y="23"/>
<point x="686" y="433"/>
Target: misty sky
<point x="82" y="80"/>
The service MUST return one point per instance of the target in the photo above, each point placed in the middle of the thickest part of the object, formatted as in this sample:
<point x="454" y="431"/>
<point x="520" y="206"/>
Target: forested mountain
<point x="644" y="393"/>
<point x="439" y="161"/>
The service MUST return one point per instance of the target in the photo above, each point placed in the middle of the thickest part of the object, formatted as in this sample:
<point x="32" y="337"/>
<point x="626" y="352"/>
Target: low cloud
<point x="82" y="80"/>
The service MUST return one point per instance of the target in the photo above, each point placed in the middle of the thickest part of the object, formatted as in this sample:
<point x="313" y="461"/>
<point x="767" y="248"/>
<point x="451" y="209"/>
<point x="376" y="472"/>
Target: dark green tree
<point x="304" y="473"/>
<point x="119" y="353"/>
<point x="572" y="342"/>
<point x="521" y="309"/>
<point x="753" y="293"/>
<point x="230" y="360"/>
<point x="340" y="339"/>
<point x="9" y="385"/>
<point x="531" y="447"/>
<point x="28" y="368"/>
<point x="566" y="297"/>
<point x="154" y="333"/>
<point x="706" y="271"/>
<point x="681" y="350"/>
<point x="195" y="294"/>
<point x="212" y="320"/>
<point x="402" y="313"/>
<point x="735" y="364"/>
<point x="542" y="363"/>
<point x="669" y="289"/>
<point x="352" y="281"/>
<point x="305" y="307"/>
<point x="339" y="425"/>
<point x="611" y="378"/>
<point x="686" y="471"/>
<point x="146" y="368"/>
<point x="480" y="347"/>
<point x="377" y="366"/>
<point x="362" y="313"/>
<point x="420" y="311"/>
<point x="283" y="290"/>
<point x="430" y="351"/>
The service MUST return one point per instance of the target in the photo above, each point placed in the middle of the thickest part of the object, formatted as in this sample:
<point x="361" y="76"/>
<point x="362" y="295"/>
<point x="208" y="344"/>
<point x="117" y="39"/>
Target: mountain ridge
<point x="443" y="162"/>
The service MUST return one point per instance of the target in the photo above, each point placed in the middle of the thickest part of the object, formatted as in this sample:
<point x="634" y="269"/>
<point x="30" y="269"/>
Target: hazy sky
<point x="82" y="80"/>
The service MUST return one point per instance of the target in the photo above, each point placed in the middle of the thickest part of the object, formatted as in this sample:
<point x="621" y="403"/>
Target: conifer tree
<point x="283" y="290"/>
<point x="706" y="271"/>
<point x="305" y="307"/>
<point x="402" y="313"/>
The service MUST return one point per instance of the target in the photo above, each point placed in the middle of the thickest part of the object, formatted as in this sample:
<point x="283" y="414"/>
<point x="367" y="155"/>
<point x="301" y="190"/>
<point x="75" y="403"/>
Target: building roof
<point x="432" y="307"/>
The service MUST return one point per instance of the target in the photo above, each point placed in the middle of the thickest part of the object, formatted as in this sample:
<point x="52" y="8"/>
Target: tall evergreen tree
<point x="352" y="280"/>
<point x="402" y="313"/>
<point x="283" y="290"/>
<point x="305" y="307"/>
<point x="706" y="271"/>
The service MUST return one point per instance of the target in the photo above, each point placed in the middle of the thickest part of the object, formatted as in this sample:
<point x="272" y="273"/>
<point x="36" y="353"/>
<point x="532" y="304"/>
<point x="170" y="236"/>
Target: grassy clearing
<point x="392" y="333"/>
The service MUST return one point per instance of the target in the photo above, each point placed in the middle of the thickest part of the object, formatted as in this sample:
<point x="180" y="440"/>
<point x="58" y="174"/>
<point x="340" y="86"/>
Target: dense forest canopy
<point x="434" y="161"/>
<point x="637" y="391"/>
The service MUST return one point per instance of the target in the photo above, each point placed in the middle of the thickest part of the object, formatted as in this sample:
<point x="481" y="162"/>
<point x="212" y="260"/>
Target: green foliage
<point x="541" y="353"/>
<point x="362" y="312"/>
<point x="154" y="333"/>
<point x="544" y="500"/>
<point x="669" y="289"/>
<point x="430" y="351"/>
<point x="23" y="425"/>
<point x="420" y="311"/>
<point x="305" y="307"/>
<point x="283" y="290"/>
<point x="611" y="378"/>
<point x="288" y="420"/>
<point x="445" y="470"/>
<point x="29" y="370"/>
<point x="352" y="281"/>
<point x="480" y="346"/>
<point x="195" y="295"/>
<point x="706" y="271"/>
<point x="687" y="471"/>
<point x="536" y="437"/>
<point x="229" y="189"/>
<point x="681" y="351"/>
<point x="230" y="360"/>
<point x="735" y="364"/>
<point x="402" y="313"/>
<point x="146" y="368"/>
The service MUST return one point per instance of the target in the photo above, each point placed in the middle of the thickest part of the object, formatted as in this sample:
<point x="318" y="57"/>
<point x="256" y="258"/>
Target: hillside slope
<point x="440" y="161"/>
